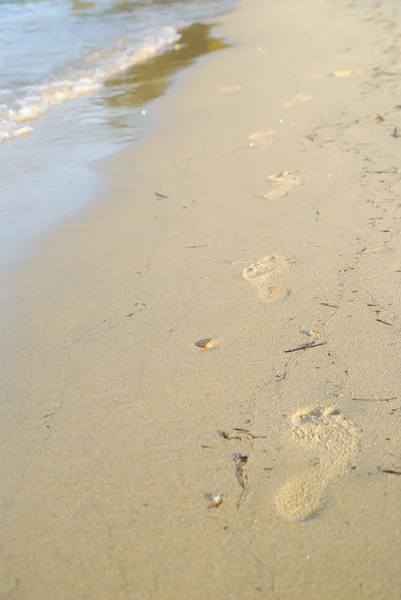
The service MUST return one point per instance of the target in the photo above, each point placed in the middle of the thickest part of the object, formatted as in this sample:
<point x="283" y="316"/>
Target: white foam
<point x="31" y="102"/>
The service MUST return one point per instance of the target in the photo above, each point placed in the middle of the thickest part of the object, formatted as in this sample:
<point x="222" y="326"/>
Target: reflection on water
<point x="79" y="5"/>
<point x="149" y="80"/>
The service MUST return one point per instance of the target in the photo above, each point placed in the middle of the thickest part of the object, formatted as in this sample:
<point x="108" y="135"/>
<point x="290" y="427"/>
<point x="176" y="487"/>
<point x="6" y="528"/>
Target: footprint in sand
<point x="298" y="99"/>
<point x="331" y="443"/>
<point x="283" y="182"/>
<point x="266" y="275"/>
<point x="263" y="137"/>
<point x="229" y="89"/>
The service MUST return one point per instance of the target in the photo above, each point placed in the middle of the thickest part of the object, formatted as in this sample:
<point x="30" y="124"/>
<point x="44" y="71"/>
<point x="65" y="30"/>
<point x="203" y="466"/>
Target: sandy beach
<point x="261" y="213"/>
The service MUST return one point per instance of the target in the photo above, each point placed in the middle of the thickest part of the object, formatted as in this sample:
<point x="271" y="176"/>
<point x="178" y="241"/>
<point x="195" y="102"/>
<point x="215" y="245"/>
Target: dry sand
<point x="110" y="415"/>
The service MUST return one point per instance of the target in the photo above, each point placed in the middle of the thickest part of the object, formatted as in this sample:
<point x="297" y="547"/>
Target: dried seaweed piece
<point x="247" y="432"/>
<point x="241" y="475"/>
<point x="227" y="436"/>
<point x="374" y="399"/>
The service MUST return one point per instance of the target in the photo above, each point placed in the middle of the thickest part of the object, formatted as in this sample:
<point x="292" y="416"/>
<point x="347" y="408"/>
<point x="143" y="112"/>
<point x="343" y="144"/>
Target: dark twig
<point x="306" y="346"/>
<point x="160" y="195"/>
<point x="374" y="399"/>
<point x="391" y="471"/>
<point x="330" y="305"/>
<point x="384" y="322"/>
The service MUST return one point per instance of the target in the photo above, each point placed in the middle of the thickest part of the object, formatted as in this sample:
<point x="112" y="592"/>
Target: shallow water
<point x="74" y="81"/>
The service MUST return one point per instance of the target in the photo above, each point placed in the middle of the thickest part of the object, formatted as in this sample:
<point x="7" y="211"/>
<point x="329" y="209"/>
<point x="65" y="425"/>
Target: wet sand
<point x="262" y="212"/>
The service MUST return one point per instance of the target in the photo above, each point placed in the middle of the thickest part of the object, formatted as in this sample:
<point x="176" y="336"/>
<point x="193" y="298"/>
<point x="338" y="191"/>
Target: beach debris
<point x="229" y="89"/>
<point x="379" y="116"/>
<point x="298" y="99"/>
<point x="228" y="436"/>
<point x="239" y="430"/>
<point x="206" y="344"/>
<point x="214" y="500"/>
<point x="384" y="322"/>
<point x="396" y="133"/>
<point x="285" y="177"/>
<point x="329" y="305"/>
<point x="249" y="433"/>
<point x="345" y="73"/>
<point x="241" y="475"/>
<point x="392" y="70"/>
<point x="394" y="410"/>
<point x="159" y="195"/>
<point x="262" y="137"/>
<point x="198" y="246"/>
<point x="312" y="344"/>
<point x="276" y="194"/>
<point x="374" y="399"/>
<point x="391" y="471"/>
<point x="309" y="332"/>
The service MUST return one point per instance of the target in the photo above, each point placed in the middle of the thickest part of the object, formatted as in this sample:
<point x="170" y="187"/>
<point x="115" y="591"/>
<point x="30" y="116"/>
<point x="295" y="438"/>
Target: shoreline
<point x="261" y="211"/>
<point x="62" y="166"/>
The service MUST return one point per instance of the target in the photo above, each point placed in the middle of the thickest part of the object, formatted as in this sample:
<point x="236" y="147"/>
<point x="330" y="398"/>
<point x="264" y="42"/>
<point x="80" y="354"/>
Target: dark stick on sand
<point x="306" y="346"/>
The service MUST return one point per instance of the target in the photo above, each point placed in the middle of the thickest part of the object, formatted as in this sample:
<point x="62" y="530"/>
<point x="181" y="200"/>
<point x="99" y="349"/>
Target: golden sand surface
<point x="201" y="395"/>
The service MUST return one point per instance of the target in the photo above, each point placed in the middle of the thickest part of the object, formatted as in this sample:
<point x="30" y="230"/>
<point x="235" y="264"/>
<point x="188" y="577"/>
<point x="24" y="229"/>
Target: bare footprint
<point x="331" y="442"/>
<point x="229" y="89"/>
<point x="298" y="99"/>
<point x="266" y="275"/>
<point x="346" y="73"/>
<point x="263" y="137"/>
<point x="282" y="183"/>
<point x="276" y="194"/>
<point x="287" y="178"/>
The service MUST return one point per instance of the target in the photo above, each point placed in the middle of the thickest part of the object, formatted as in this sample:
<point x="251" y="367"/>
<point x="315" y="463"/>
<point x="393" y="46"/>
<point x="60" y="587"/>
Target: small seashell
<point x="206" y="344"/>
<point x="214" y="499"/>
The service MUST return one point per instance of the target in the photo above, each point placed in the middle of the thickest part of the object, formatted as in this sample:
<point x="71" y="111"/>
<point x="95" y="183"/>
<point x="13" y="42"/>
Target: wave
<point x="20" y="106"/>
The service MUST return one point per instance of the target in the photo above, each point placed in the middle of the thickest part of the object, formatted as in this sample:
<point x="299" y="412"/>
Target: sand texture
<point x="201" y="387"/>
